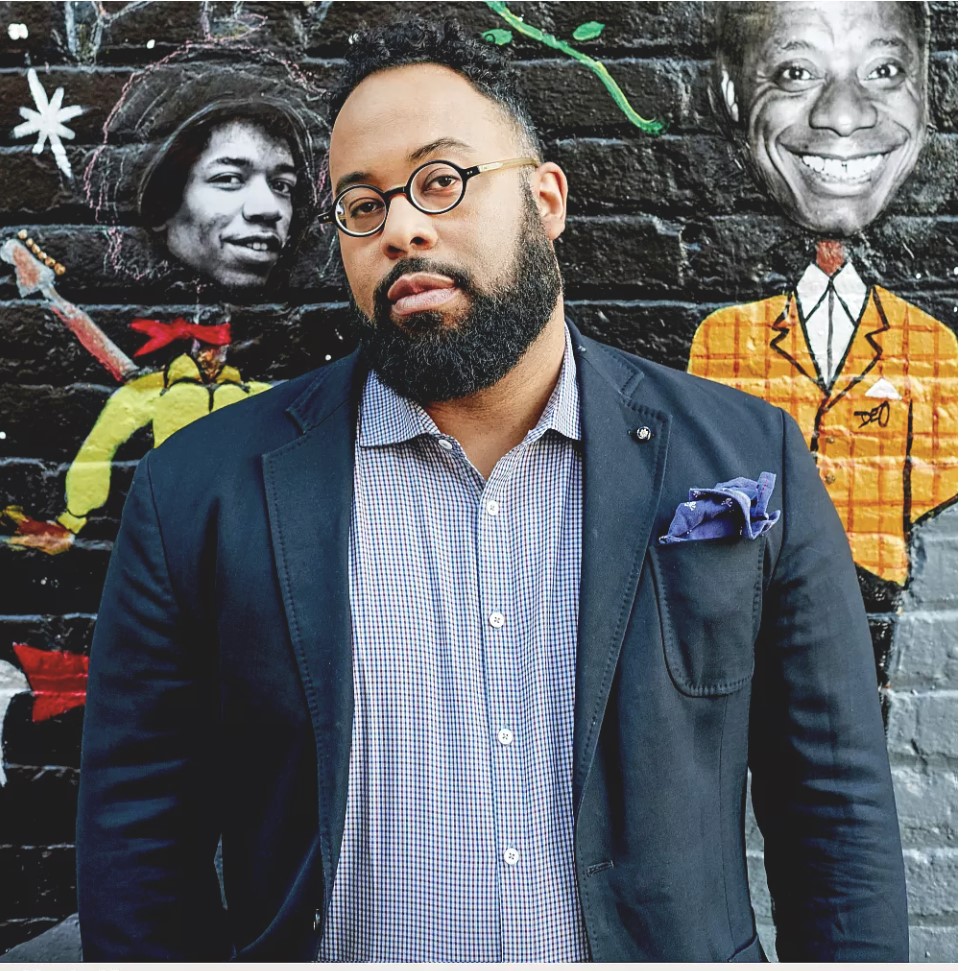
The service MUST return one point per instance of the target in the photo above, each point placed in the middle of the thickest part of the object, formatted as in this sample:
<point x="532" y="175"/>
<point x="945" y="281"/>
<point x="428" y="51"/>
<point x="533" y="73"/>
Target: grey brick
<point x="927" y="805"/>
<point x="924" y="724"/>
<point x="757" y="878"/>
<point x="932" y="877"/>
<point x="934" y="556"/>
<point x="933" y="943"/>
<point x="926" y="649"/>
<point x="767" y="933"/>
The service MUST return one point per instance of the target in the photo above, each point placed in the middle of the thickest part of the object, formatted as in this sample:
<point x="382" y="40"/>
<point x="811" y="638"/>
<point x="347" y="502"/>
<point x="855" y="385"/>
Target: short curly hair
<point x="443" y="42"/>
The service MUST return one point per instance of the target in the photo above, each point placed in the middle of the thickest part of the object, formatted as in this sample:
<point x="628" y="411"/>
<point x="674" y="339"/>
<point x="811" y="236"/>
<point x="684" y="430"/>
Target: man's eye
<point x="889" y="71"/>
<point x="795" y="74"/>
<point x="440" y="182"/>
<point x="282" y="187"/>
<point x="365" y="207"/>
<point x="227" y="179"/>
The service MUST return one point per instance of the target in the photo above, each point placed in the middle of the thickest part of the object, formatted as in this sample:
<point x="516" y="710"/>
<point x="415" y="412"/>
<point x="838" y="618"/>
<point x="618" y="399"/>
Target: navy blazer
<point x="220" y="692"/>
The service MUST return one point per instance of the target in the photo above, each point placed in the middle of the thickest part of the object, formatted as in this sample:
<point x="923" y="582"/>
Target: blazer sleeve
<point x="146" y="829"/>
<point x="820" y="779"/>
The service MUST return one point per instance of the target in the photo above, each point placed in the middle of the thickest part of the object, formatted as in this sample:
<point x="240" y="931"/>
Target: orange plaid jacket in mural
<point x="884" y="434"/>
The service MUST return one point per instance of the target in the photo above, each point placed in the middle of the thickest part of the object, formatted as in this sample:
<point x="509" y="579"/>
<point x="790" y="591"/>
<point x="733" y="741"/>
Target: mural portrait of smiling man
<point x="829" y="105"/>
<point x="221" y="193"/>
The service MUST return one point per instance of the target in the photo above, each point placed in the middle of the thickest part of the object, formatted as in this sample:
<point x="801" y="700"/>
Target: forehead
<point x="832" y="26"/>
<point x="394" y="113"/>
<point x="246" y="141"/>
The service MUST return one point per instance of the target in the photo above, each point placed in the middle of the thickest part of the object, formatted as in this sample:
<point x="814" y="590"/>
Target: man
<point x="829" y="101"/>
<point x="221" y="192"/>
<point x="403" y="633"/>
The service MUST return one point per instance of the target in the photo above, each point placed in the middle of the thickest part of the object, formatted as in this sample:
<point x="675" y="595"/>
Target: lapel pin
<point x="643" y="434"/>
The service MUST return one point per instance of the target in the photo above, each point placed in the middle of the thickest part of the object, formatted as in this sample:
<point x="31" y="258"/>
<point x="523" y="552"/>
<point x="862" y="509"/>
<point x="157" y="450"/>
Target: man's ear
<point x="730" y="96"/>
<point x="549" y="192"/>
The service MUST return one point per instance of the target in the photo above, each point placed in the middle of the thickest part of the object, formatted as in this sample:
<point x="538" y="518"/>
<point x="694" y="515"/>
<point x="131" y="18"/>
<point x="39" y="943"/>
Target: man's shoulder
<point x="902" y="314"/>
<point x="765" y="311"/>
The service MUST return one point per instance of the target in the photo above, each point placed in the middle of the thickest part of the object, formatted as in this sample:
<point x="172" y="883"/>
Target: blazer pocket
<point x="709" y="601"/>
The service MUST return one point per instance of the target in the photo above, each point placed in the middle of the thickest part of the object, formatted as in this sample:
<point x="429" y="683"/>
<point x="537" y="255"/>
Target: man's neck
<point x="490" y="423"/>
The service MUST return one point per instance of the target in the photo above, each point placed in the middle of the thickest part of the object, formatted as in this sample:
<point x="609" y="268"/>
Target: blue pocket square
<point x="737" y="507"/>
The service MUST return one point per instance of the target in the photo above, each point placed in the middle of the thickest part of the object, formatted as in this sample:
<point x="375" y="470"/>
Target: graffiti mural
<point x="224" y="188"/>
<point x="830" y="105"/>
<point x="46" y="121"/>
<point x="590" y="30"/>
<point x="160" y="258"/>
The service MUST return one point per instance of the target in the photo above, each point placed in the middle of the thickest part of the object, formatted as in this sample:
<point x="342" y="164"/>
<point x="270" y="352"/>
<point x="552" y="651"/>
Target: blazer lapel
<point x="791" y="343"/>
<point x="309" y="486"/>
<point x="623" y="473"/>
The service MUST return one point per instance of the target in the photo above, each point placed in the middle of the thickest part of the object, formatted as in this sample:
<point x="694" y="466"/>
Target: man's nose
<point x="843" y="107"/>
<point x="407" y="229"/>
<point x="261" y="204"/>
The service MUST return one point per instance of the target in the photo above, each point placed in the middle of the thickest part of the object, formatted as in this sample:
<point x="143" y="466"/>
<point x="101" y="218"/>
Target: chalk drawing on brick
<point x="584" y="32"/>
<point x="193" y="384"/>
<point x="870" y="378"/>
<point x="47" y="121"/>
<point x="86" y="22"/>
<point x="222" y="180"/>
<point x="224" y="183"/>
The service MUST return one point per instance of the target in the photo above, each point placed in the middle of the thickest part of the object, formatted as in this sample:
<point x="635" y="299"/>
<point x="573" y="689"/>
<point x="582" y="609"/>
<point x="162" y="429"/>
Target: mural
<point x="160" y="259"/>
<point x="590" y="30"/>
<point x="224" y="186"/>
<point x="46" y="121"/>
<point x="830" y="105"/>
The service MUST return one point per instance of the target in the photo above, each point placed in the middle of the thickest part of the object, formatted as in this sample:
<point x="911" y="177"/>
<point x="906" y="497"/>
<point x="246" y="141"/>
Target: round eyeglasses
<point x="435" y="187"/>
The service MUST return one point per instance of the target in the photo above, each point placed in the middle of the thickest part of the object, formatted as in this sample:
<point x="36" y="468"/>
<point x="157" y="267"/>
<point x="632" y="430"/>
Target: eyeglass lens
<point x="433" y="188"/>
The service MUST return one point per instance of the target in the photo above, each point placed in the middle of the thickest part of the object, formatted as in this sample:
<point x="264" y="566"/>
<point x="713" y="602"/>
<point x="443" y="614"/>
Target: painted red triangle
<point x="58" y="679"/>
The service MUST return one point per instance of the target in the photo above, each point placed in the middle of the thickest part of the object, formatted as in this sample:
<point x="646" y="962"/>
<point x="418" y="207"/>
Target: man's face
<point x="236" y="211"/>
<point x="448" y="302"/>
<point x="834" y="106"/>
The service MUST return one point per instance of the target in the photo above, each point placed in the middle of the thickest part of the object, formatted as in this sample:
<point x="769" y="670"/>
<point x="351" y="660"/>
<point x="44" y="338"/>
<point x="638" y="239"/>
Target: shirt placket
<point x="503" y="622"/>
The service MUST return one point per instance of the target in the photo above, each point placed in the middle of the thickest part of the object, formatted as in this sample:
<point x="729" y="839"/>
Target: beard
<point x="428" y="361"/>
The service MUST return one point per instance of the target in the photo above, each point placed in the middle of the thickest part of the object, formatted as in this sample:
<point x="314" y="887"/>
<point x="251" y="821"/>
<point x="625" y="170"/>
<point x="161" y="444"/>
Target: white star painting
<point x="47" y="122"/>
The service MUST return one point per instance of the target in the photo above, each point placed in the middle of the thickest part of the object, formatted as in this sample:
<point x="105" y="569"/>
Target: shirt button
<point x="505" y="736"/>
<point x="492" y="507"/>
<point x="829" y="477"/>
<point x="496" y="619"/>
<point x="446" y="444"/>
<point x="830" y="439"/>
<point x="511" y="856"/>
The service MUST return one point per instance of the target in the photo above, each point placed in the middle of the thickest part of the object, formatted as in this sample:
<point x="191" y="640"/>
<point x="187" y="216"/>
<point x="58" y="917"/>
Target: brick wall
<point x="663" y="230"/>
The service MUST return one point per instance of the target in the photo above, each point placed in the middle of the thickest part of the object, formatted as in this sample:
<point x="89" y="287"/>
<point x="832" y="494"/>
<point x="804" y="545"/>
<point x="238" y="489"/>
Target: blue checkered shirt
<point x="458" y="841"/>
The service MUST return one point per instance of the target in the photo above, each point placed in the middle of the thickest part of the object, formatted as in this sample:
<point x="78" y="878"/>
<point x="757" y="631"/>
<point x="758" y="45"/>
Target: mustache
<point x="381" y="303"/>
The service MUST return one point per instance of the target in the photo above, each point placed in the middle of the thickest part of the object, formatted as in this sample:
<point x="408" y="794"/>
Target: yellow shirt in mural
<point x="167" y="400"/>
<point x="884" y="434"/>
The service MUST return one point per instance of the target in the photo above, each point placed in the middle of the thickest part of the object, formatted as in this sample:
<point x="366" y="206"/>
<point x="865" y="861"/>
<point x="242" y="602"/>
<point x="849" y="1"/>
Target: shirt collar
<point x="848" y="286"/>
<point x="387" y="418"/>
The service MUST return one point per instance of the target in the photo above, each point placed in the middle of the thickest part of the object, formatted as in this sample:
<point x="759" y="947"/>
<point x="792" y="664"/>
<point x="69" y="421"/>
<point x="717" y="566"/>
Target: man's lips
<point x="256" y="248"/>
<point x="417" y="292"/>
